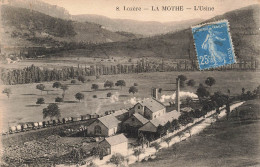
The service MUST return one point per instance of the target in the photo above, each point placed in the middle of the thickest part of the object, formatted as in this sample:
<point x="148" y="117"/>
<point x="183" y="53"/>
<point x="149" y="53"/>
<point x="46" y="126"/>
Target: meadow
<point x="21" y="106"/>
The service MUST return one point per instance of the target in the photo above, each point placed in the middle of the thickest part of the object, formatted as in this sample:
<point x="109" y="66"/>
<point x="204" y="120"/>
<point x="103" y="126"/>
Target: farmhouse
<point x="150" y="108"/>
<point x="132" y="124"/>
<point x="152" y="126"/>
<point x="115" y="144"/>
<point x="104" y="126"/>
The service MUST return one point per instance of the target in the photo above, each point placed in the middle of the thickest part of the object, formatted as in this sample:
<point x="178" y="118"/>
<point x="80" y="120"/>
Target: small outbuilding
<point x="104" y="126"/>
<point x="115" y="144"/>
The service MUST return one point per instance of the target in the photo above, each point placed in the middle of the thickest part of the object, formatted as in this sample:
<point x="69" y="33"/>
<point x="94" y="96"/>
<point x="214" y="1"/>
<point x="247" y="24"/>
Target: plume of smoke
<point x="183" y="95"/>
<point x="114" y="98"/>
<point x="134" y="100"/>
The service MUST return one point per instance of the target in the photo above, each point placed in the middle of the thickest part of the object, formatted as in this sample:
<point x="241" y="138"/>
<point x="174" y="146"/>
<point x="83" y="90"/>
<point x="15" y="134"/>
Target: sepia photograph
<point x="129" y="83"/>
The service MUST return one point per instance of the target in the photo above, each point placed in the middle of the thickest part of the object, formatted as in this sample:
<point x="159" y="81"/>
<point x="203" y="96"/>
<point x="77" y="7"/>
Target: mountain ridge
<point x="146" y="28"/>
<point x="244" y="29"/>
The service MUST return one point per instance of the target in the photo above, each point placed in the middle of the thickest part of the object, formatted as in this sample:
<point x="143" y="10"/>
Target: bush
<point x="108" y="84"/>
<point x="109" y="94"/>
<point x="185" y="118"/>
<point x="82" y="79"/>
<point x="73" y="81"/>
<point x="58" y="99"/>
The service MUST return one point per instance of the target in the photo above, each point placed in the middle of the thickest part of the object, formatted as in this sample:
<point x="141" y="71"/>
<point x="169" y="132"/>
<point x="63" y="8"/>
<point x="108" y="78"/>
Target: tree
<point x="40" y="101"/>
<point x="108" y="84"/>
<point x="219" y="99"/>
<point x="81" y="78"/>
<point x="58" y="99"/>
<point x="73" y="81"/>
<point x="94" y="87"/>
<point x="202" y="91"/>
<point x="56" y="85"/>
<point x="51" y="111"/>
<point x="168" y="126"/>
<point x="109" y="94"/>
<point x="185" y="118"/>
<point x="7" y="91"/>
<point x="210" y="81"/>
<point x="79" y="96"/>
<point x="98" y="152"/>
<point x="77" y="155"/>
<point x="156" y="146"/>
<point x="189" y="100"/>
<point x="168" y="140"/>
<point x="175" y="124"/>
<point x="160" y="90"/>
<point x="142" y="140"/>
<point x="64" y="88"/>
<point x="41" y="87"/>
<point x="160" y="130"/>
<point x="133" y="89"/>
<point x="180" y="134"/>
<point x="191" y="83"/>
<point x="138" y="152"/>
<point x="243" y="90"/>
<point x="189" y="131"/>
<point x="182" y="78"/>
<point x="120" y="83"/>
<point x="117" y="159"/>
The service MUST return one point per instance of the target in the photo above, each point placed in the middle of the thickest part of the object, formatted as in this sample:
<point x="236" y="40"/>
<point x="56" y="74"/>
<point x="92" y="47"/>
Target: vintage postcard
<point x="158" y="83"/>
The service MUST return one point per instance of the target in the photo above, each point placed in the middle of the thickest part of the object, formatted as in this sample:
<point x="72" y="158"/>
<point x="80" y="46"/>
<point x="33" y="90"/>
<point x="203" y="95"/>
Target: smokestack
<point x="154" y="93"/>
<point x="177" y="99"/>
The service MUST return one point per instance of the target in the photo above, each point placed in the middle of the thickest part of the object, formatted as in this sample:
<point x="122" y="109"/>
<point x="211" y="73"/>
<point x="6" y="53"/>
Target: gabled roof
<point x="152" y="125"/>
<point x="162" y="120"/>
<point x="152" y="104"/>
<point x="140" y="118"/>
<point x="120" y="112"/>
<point x="109" y="121"/>
<point x="117" y="139"/>
<point x="148" y="127"/>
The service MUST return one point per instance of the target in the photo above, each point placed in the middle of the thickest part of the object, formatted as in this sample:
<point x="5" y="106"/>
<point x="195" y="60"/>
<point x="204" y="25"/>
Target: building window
<point x="97" y="130"/>
<point x="138" y="107"/>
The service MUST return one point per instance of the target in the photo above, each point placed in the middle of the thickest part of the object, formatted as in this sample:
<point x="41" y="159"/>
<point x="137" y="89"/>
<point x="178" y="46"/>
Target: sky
<point x="108" y="8"/>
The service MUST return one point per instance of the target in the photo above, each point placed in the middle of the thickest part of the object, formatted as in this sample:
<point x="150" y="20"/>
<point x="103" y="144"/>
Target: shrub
<point x="109" y="94"/>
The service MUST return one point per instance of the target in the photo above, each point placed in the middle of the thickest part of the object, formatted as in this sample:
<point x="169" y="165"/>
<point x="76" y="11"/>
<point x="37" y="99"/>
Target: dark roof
<point x="152" y="104"/>
<point x="162" y="120"/>
<point x="109" y="121"/>
<point x="117" y="139"/>
<point x="120" y="112"/>
<point x="152" y="125"/>
<point x="140" y="118"/>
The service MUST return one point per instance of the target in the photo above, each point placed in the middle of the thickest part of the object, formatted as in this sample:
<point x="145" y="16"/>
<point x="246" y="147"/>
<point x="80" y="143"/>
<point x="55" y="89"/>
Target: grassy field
<point x="21" y="107"/>
<point x="226" y="143"/>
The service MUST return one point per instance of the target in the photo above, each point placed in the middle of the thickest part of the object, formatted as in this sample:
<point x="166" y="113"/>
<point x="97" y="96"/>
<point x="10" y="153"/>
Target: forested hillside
<point x="244" y="28"/>
<point x="25" y="27"/>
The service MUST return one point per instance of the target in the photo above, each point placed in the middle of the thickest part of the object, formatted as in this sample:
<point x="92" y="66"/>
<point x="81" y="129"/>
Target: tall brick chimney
<point x="177" y="98"/>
